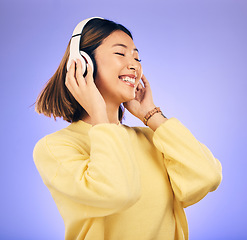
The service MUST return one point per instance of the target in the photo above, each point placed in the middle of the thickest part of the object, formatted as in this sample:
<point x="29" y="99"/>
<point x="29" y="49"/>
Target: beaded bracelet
<point x="150" y="114"/>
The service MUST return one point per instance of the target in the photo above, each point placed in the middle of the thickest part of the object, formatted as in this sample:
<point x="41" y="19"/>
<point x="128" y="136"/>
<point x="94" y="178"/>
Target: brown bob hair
<point x="55" y="99"/>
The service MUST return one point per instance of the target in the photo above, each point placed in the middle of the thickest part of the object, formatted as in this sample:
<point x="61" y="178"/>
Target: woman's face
<point x="118" y="68"/>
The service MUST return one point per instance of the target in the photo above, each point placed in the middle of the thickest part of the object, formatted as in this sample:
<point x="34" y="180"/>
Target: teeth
<point x="128" y="79"/>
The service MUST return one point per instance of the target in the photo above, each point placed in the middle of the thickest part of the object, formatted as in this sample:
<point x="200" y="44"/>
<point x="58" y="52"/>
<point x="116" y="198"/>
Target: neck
<point x="112" y="113"/>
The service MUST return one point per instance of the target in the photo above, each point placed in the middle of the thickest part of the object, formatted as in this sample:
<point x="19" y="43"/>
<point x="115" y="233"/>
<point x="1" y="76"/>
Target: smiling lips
<point x="128" y="79"/>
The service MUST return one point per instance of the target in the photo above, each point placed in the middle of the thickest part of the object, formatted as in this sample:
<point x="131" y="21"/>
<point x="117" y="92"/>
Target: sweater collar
<point x="81" y="126"/>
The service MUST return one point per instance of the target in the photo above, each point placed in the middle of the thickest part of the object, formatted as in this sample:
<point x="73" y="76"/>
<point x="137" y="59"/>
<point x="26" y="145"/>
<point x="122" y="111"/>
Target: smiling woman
<point x="111" y="181"/>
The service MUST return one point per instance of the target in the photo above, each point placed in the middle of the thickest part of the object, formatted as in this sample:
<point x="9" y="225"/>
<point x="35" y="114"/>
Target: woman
<point x="111" y="181"/>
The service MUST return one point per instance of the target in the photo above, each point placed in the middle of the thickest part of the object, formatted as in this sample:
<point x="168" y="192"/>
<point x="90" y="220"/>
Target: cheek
<point x="106" y="70"/>
<point x="102" y="67"/>
<point x="108" y="66"/>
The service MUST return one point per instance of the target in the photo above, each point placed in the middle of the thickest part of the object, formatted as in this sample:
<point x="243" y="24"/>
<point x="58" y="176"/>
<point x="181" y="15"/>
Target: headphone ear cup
<point x="83" y="63"/>
<point x="87" y="60"/>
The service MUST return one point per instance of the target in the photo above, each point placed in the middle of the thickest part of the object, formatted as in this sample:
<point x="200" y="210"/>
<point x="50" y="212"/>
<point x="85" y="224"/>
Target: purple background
<point x="194" y="53"/>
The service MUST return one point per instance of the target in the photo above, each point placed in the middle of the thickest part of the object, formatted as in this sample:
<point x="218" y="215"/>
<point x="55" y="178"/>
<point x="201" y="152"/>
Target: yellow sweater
<point x="116" y="182"/>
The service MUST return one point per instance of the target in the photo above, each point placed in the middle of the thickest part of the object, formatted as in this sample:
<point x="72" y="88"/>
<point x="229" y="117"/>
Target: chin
<point x="127" y="99"/>
<point x="127" y="96"/>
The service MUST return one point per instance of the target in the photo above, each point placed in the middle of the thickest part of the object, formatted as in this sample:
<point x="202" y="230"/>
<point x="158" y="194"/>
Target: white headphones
<point x="75" y="52"/>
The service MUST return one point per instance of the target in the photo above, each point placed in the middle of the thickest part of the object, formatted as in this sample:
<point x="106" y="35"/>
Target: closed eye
<point x="121" y="54"/>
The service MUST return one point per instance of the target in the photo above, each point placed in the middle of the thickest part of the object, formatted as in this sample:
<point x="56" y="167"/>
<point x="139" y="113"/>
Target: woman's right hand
<point x="85" y="92"/>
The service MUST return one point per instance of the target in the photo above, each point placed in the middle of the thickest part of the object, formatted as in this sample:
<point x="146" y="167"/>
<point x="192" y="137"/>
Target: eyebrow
<point x="123" y="45"/>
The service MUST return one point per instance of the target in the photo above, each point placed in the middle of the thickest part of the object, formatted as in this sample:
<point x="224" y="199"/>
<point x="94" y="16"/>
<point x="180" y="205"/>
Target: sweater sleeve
<point x="192" y="169"/>
<point x="106" y="179"/>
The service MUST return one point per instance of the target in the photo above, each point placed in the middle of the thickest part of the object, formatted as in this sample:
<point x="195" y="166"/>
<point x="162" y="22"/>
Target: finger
<point x="89" y="76"/>
<point x="70" y="74"/>
<point x="79" y="77"/>
<point x="139" y="86"/>
<point x="145" y="81"/>
<point x="71" y="71"/>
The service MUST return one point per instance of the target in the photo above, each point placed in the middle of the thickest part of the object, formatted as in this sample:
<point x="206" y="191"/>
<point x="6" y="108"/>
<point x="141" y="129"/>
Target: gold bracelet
<point x="150" y="114"/>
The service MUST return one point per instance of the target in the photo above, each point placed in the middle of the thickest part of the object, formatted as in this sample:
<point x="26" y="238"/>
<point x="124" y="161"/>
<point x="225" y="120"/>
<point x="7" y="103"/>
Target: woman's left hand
<point x="143" y="101"/>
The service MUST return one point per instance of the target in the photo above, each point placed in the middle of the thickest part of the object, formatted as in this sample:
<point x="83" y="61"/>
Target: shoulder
<point x="142" y="133"/>
<point x="67" y="140"/>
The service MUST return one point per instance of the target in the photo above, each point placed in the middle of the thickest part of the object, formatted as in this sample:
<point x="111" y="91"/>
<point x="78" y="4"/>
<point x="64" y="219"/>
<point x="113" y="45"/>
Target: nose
<point x="133" y="65"/>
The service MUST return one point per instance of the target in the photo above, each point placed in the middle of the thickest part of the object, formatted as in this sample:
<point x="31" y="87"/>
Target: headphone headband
<point x="80" y="26"/>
